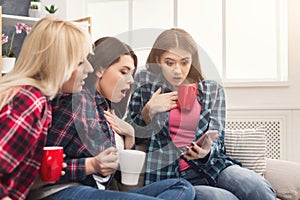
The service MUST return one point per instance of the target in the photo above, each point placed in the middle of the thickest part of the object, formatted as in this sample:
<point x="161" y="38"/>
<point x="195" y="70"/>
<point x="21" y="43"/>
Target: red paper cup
<point x="51" y="166"/>
<point x="186" y="96"/>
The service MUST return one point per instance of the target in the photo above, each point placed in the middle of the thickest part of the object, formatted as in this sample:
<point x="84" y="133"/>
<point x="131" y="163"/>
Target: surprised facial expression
<point x="175" y="65"/>
<point x="117" y="79"/>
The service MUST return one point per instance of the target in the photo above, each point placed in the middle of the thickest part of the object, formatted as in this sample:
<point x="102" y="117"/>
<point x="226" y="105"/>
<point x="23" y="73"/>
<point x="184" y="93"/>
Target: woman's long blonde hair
<point x="49" y="55"/>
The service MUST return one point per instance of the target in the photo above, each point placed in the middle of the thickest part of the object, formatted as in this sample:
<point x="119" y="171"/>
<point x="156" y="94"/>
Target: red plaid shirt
<point x="23" y="127"/>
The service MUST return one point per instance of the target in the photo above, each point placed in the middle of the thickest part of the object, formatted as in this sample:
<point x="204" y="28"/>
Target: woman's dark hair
<point x="171" y="39"/>
<point x="108" y="51"/>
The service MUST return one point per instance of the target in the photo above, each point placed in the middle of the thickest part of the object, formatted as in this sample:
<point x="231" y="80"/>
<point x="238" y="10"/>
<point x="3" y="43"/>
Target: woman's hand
<point x="118" y="125"/>
<point x="195" y="152"/>
<point x="159" y="103"/>
<point x="121" y="127"/>
<point x="6" y="198"/>
<point x="104" y="163"/>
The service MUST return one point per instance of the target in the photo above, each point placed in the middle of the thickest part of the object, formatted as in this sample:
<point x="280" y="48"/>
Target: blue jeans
<point x="233" y="183"/>
<point x="172" y="189"/>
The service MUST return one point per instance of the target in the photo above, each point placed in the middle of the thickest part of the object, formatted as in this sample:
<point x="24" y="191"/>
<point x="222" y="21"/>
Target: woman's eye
<point x="124" y="72"/>
<point x="169" y="63"/>
<point x="80" y="63"/>
<point x="185" y="63"/>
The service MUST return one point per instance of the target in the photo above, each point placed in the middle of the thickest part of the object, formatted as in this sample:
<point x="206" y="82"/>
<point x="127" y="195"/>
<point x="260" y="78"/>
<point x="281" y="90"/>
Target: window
<point x="255" y="43"/>
<point x="239" y="41"/>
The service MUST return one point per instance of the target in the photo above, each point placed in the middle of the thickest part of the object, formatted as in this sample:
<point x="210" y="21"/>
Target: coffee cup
<point x="131" y="165"/>
<point x="52" y="162"/>
<point x="186" y="96"/>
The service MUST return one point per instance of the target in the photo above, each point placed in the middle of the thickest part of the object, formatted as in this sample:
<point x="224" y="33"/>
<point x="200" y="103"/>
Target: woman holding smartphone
<point x="173" y="145"/>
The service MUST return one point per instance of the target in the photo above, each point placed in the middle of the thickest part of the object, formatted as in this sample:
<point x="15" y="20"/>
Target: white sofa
<point x="249" y="147"/>
<point x="284" y="176"/>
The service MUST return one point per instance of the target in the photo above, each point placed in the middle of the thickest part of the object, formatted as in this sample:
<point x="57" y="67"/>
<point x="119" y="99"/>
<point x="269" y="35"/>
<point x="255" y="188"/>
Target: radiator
<point x="273" y="130"/>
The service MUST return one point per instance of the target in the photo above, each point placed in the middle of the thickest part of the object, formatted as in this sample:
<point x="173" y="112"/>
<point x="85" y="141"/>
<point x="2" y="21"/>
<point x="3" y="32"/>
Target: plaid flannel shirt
<point x="80" y="127"/>
<point x="162" y="154"/>
<point x="23" y="127"/>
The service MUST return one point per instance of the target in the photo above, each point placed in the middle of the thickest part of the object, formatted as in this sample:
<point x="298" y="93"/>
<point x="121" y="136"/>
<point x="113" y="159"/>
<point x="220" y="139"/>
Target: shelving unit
<point x="85" y="22"/>
<point x="12" y="20"/>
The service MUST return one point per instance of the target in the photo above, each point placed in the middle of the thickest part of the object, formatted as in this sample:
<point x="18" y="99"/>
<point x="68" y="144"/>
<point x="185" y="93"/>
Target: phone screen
<point x="212" y="134"/>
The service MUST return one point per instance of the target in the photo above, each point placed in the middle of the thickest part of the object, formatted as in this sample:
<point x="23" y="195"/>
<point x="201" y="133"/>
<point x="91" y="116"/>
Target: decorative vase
<point x="8" y="64"/>
<point x="34" y="13"/>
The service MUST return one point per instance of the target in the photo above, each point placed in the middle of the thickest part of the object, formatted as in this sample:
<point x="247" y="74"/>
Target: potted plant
<point x="34" y="11"/>
<point x="51" y="9"/>
<point x="37" y="3"/>
<point x="9" y="57"/>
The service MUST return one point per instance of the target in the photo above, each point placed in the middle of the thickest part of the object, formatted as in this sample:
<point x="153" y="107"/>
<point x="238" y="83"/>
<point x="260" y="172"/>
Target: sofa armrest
<point x="284" y="176"/>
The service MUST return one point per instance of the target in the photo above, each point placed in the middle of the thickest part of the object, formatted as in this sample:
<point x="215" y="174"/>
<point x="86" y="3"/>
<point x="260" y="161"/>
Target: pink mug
<point x="186" y="96"/>
<point x="52" y="161"/>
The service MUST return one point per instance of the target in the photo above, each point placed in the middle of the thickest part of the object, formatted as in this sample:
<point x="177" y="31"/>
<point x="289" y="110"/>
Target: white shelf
<point x="12" y="20"/>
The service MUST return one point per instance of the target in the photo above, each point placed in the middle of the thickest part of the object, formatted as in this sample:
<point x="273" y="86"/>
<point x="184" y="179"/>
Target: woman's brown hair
<point x="171" y="39"/>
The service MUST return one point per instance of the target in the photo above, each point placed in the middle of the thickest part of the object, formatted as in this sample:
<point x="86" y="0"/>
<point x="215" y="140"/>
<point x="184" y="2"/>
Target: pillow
<point x="247" y="146"/>
<point x="284" y="176"/>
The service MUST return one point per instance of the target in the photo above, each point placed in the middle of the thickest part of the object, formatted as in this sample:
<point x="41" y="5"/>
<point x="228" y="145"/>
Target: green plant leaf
<point x="34" y="6"/>
<point x="51" y="9"/>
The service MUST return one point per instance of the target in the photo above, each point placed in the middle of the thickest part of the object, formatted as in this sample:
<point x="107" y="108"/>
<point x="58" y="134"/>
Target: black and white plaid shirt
<point x="162" y="154"/>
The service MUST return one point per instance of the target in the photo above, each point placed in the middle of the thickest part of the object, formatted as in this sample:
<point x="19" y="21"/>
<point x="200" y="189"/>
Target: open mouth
<point x="177" y="78"/>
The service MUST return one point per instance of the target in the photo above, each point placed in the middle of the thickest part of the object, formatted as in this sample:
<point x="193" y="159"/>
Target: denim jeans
<point x="233" y="183"/>
<point x="170" y="189"/>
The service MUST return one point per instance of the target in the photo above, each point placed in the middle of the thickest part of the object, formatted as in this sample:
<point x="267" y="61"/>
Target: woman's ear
<point x="99" y="73"/>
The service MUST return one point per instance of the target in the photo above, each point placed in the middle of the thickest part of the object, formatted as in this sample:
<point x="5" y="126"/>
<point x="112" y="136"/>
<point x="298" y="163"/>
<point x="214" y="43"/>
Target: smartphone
<point x="212" y="134"/>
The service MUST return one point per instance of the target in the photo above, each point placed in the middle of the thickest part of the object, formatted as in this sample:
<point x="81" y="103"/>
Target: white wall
<point x="61" y="5"/>
<point x="67" y="9"/>
<point x="75" y="9"/>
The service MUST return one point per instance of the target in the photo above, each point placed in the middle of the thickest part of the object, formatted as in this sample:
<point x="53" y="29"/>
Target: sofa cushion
<point x="247" y="146"/>
<point x="284" y="176"/>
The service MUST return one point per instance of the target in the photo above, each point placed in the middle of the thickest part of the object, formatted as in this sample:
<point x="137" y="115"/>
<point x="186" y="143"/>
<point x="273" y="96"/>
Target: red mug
<point x="186" y="96"/>
<point x="52" y="162"/>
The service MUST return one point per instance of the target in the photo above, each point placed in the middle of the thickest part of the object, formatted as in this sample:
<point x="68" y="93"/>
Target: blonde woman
<point x="52" y="59"/>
